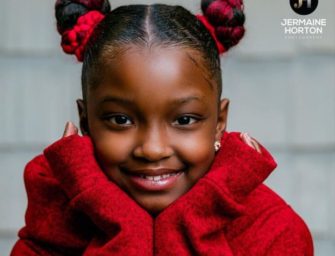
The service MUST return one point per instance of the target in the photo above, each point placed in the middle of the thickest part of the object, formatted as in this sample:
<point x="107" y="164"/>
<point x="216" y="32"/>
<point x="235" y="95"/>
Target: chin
<point x="155" y="204"/>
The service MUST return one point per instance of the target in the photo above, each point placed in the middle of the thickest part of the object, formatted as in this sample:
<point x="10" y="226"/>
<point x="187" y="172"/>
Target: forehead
<point x="160" y="72"/>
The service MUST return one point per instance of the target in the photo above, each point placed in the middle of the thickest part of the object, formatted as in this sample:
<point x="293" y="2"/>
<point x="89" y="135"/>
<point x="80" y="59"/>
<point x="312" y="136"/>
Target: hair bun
<point x="76" y="20"/>
<point x="224" y="19"/>
<point x="68" y="11"/>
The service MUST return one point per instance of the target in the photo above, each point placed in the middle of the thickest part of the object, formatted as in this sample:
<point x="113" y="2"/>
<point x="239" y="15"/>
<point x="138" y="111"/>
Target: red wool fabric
<point x="73" y="209"/>
<point x="230" y="212"/>
<point x="74" y="40"/>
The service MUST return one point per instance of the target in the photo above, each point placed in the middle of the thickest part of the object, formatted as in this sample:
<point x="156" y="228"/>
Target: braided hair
<point x="90" y="29"/>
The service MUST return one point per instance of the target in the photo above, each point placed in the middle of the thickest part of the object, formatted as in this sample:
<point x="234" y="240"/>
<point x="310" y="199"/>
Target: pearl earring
<point x="217" y="145"/>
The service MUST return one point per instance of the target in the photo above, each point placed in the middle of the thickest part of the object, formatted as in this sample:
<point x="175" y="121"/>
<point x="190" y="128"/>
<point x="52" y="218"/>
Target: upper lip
<point x="151" y="172"/>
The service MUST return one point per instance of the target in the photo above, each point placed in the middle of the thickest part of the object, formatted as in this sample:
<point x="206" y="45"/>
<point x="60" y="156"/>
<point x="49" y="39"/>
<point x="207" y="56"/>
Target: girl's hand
<point x="214" y="201"/>
<point x="126" y="227"/>
<point x="70" y="129"/>
<point x="250" y="141"/>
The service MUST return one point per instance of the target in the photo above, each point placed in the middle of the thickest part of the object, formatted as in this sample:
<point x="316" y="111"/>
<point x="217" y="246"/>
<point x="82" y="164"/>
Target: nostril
<point x="153" y="143"/>
<point x="153" y="152"/>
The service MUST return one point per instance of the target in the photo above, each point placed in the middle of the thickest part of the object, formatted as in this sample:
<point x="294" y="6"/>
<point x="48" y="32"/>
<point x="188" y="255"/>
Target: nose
<point x="153" y="144"/>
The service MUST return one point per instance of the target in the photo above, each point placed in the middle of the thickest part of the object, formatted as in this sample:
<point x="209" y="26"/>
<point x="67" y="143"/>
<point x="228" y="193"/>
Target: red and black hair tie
<point x="224" y="19"/>
<point x="82" y="16"/>
<point x="74" y="40"/>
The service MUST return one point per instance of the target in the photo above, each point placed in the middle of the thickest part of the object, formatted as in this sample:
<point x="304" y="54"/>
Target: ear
<point x="222" y="119"/>
<point x="83" y="122"/>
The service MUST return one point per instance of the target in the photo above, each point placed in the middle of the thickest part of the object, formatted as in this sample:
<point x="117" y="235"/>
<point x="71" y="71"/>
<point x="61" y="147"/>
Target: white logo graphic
<point x="300" y="2"/>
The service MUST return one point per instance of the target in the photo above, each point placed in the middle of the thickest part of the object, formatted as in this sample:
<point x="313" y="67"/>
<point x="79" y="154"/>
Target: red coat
<point x="73" y="209"/>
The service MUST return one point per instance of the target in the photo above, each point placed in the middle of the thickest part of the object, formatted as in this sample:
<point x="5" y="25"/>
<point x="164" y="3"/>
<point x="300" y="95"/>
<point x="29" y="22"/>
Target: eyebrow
<point x="185" y="100"/>
<point x="124" y="101"/>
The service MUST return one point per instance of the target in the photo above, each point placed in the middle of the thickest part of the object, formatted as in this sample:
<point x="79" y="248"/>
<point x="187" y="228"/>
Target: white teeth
<point x="158" y="177"/>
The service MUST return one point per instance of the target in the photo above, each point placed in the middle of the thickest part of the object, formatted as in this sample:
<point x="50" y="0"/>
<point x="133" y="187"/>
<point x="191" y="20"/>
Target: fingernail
<point x="247" y="136"/>
<point x="248" y="140"/>
<point x="66" y="130"/>
<point x="67" y="125"/>
<point x="70" y="125"/>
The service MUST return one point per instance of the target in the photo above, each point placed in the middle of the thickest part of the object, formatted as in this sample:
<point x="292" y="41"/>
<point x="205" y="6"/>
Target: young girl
<point x="155" y="172"/>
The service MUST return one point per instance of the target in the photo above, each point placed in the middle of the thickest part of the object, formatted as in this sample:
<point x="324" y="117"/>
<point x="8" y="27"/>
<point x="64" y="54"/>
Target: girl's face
<point x="153" y="119"/>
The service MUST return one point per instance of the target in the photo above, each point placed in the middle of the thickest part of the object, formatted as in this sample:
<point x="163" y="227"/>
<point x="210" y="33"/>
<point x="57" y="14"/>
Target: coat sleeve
<point x="125" y="228"/>
<point x="195" y="224"/>
<point x="52" y="227"/>
<point x="295" y="239"/>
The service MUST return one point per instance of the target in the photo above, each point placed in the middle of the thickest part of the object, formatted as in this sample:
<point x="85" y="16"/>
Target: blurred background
<point x="282" y="92"/>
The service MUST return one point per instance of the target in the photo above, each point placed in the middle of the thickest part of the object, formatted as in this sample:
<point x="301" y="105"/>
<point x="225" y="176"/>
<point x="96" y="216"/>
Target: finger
<point x="242" y="135"/>
<point x="245" y="137"/>
<point x="70" y="129"/>
<point x="256" y="146"/>
<point x="251" y="142"/>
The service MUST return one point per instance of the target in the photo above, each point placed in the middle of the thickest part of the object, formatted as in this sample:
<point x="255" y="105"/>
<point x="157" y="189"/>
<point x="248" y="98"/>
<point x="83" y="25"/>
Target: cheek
<point x="111" y="149"/>
<point x="198" y="154"/>
<point x="198" y="150"/>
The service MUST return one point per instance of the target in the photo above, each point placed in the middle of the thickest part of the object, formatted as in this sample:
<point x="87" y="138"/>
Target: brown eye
<point x="119" y="120"/>
<point x="185" y="120"/>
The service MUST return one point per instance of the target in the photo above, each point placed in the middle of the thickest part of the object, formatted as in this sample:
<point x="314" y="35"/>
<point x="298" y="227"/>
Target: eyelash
<point x="108" y="119"/>
<point x="195" y="120"/>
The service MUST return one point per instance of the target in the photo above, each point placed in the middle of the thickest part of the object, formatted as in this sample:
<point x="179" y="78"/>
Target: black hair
<point x="148" y="25"/>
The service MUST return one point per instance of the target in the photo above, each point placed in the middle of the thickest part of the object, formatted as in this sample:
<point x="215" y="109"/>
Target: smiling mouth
<point x="145" y="180"/>
<point x="159" y="177"/>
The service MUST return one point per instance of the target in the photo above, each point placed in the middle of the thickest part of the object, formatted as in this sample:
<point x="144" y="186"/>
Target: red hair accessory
<point x="224" y="20"/>
<point x="75" y="39"/>
<point x="211" y="30"/>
